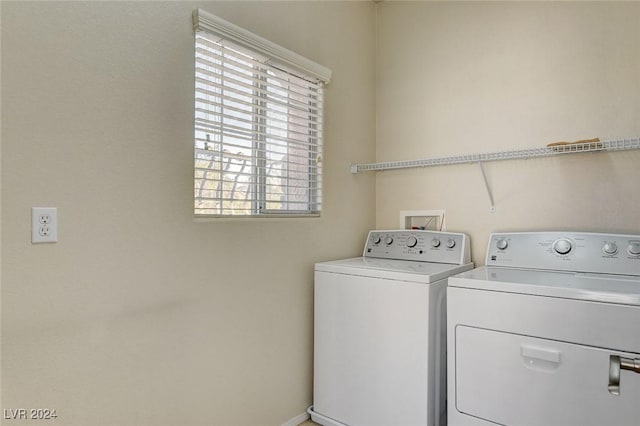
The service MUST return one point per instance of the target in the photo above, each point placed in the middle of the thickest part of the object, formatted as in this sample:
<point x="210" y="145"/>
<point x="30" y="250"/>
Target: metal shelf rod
<point x="602" y="146"/>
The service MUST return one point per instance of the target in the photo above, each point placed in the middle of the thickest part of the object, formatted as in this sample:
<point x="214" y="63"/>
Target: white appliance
<point x="547" y="333"/>
<point x="379" y="331"/>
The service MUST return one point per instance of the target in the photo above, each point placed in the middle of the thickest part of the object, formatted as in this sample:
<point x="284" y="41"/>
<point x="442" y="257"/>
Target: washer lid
<point x="399" y="270"/>
<point x="619" y="289"/>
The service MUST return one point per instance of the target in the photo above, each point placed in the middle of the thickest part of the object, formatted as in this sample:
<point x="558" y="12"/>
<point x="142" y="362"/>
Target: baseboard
<point x="297" y="420"/>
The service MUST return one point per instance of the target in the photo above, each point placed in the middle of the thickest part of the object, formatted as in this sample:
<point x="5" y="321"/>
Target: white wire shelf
<point x="606" y="146"/>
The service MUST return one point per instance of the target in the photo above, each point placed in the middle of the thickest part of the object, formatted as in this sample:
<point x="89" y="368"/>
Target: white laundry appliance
<point x="547" y="333"/>
<point x="379" y="331"/>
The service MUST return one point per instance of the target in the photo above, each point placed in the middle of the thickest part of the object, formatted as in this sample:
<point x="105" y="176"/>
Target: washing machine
<point x="379" y="330"/>
<point x="547" y="333"/>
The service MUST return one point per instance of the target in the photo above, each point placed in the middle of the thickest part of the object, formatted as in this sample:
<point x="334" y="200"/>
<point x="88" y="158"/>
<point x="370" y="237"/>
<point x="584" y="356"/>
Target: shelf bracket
<point x="486" y="185"/>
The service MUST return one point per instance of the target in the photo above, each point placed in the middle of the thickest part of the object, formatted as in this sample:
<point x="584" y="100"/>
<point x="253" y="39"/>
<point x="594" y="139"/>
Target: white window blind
<point x="258" y="130"/>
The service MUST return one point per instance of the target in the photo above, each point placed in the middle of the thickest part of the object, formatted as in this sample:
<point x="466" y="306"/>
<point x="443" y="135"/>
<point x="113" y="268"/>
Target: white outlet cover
<point x="44" y="225"/>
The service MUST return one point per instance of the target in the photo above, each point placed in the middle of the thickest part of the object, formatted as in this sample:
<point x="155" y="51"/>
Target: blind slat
<point x="211" y="127"/>
<point x="302" y="99"/>
<point x="233" y="175"/>
<point x="272" y="124"/>
<point x="217" y="143"/>
<point x="218" y="195"/>
<point x="294" y="161"/>
<point x="206" y="50"/>
<point x="208" y="98"/>
<point x="254" y="100"/>
<point x="256" y="74"/>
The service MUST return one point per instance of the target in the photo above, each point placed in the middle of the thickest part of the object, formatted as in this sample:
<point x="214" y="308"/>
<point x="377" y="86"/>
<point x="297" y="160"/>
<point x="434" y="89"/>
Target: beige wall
<point x="470" y="77"/>
<point x="139" y="315"/>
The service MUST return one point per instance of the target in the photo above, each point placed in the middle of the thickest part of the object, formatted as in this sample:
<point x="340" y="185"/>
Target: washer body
<point x="537" y="337"/>
<point x="380" y="334"/>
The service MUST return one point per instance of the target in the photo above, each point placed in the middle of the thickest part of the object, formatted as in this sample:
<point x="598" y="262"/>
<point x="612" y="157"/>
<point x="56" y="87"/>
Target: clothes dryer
<point x="379" y="331"/>
<point x="547" y="333"/>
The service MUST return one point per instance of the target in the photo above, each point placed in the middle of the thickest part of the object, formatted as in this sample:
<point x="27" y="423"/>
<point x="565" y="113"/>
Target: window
<point x="258" y="125"/>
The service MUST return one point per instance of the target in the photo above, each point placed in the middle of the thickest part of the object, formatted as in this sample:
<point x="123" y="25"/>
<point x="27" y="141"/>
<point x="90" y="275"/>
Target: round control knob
<point x="376" y="240"/>
<point x="451" y="243"/>
<point x="435" y="242"/>
<point x="412" y="241"/>
<point x="634" y="249"/>
<point x="562" y="246"/>
<point x="388" y="241"/>
<point x="502" y="244"/>
<point x="609" y="248"/>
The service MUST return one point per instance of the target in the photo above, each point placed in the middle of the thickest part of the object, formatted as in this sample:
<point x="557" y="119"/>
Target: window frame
<point x="282" y="60"/>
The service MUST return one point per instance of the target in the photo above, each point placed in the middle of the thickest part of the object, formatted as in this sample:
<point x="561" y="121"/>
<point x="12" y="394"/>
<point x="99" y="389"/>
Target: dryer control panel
<point x="566" y="251"/>
<point x="418" y="245"/>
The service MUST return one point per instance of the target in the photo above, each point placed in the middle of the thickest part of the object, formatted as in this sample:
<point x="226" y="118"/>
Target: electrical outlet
<point x="44" y="225"/>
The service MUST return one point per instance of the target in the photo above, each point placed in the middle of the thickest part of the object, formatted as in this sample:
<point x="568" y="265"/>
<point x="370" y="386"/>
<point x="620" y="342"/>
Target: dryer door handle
<point x="617" y="363"/>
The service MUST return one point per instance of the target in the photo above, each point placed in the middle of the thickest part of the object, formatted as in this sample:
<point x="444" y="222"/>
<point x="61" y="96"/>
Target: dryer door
<point x="519" y="380"/>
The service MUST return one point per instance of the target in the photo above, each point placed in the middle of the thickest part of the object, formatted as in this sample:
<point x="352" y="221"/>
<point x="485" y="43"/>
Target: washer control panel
<point x="418" y="245"/>
<point x="566" y="251"/>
